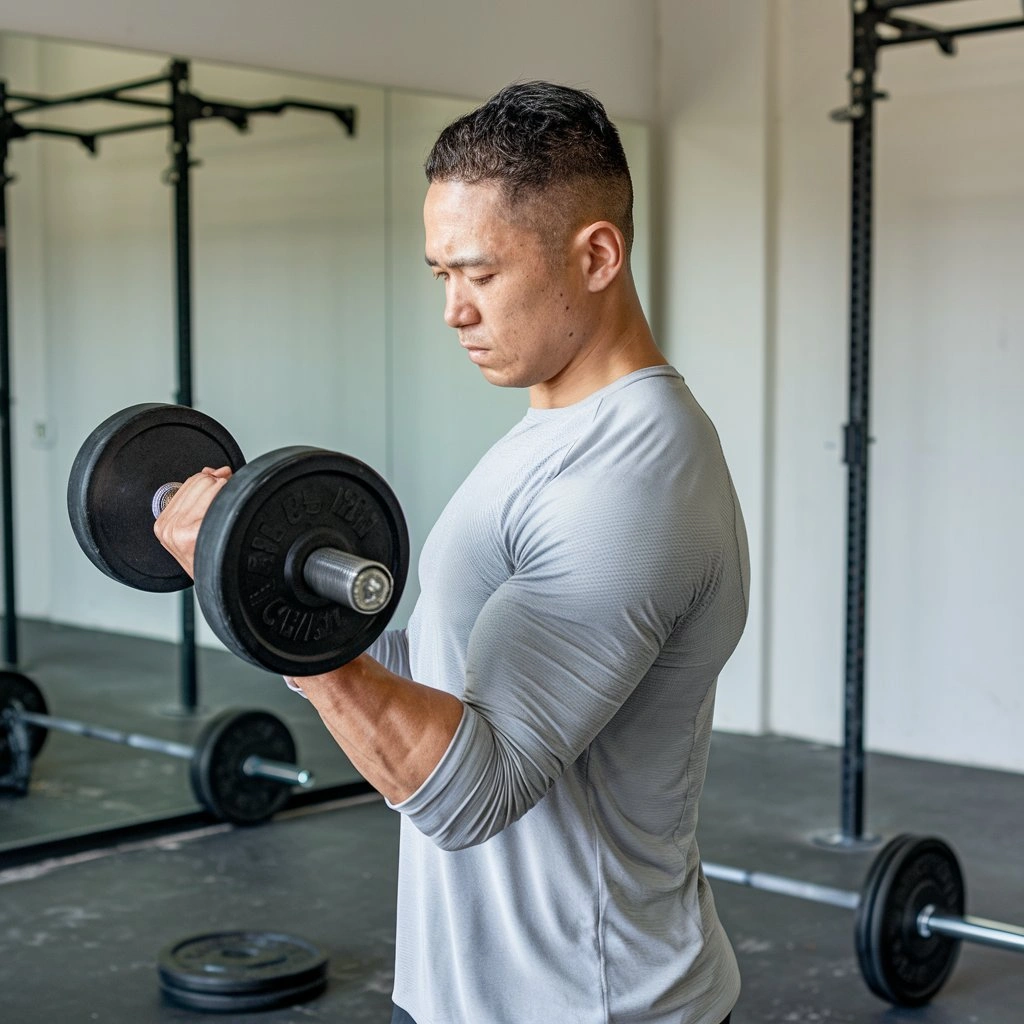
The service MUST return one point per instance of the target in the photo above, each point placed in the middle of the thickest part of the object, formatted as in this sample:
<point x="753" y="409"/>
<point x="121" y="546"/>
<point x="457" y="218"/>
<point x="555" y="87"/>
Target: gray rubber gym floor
<point x="80" y="934"/>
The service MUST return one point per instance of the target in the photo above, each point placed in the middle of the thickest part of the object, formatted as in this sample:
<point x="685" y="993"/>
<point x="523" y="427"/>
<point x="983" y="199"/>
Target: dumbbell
<point x="300" y="561"/>
<point x="241" y="766"/>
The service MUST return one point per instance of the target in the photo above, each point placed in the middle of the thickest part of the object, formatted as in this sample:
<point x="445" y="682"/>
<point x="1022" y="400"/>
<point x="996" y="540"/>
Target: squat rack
<point x="180" y="110"/>
<point x="876" y="24"/>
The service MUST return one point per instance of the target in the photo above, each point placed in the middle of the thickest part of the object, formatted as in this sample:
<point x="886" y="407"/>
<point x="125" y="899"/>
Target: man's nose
<point x="459" y="311"/>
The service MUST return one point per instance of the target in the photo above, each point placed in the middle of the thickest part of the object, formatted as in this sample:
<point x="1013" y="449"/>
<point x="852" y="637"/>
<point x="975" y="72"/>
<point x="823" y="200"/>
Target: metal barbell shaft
<point x="261" y="767"/>
<point x="970" y="929"/>
<point x="277" y="770"/>
<point x="783" y="886"/>
<point x="341" y="577"/>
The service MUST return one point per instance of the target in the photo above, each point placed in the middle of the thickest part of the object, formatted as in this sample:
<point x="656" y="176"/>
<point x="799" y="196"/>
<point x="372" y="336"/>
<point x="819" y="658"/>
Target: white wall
<point x="714" y="273"/>
<point x="755" y="186"/>
<point x="456" y="47"/>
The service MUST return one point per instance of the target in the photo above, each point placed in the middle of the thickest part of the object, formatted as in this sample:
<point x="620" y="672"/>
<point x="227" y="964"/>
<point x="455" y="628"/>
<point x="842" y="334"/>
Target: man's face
<point x="516" y="305"/>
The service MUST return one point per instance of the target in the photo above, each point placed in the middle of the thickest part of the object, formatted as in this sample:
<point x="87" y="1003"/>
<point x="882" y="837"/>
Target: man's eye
<point x="440" y="276"/>
<point x="482" y="280"/>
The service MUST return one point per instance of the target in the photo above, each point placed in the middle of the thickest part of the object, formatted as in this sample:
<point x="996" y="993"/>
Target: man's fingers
<point x="195" y="494"/>
<point x="177" y="527"/>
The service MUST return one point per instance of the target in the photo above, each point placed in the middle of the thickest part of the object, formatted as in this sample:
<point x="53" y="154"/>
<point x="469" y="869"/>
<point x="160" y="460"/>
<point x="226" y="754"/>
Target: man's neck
<point x="620" y="349"/>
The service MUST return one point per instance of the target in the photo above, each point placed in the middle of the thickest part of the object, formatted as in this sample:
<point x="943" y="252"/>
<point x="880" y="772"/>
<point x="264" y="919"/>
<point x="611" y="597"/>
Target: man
<point x="579" y="597"/>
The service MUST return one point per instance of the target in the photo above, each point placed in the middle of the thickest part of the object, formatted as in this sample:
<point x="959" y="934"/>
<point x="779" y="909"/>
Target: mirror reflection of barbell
<point x="910" y="916"/>
<point x="241" y="767"/>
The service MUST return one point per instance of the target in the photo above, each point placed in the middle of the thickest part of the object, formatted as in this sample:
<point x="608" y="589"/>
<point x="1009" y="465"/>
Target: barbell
<point x="910" y="916"/>
<point x="300" y="561"/>
<point x="240" y="768"/>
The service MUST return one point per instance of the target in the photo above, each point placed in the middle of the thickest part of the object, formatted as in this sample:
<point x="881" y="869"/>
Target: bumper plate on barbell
<point x="911" y="874"/>
<point x="226" y="742"/>
<point x="16" y="687"/>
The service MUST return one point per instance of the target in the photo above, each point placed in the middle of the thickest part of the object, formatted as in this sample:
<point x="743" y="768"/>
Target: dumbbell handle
<point x="254" y="765"/>
<point x="331" y="573"/>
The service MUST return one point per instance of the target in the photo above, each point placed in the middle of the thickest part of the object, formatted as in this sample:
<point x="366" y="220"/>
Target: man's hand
<point x="177" y="527"/>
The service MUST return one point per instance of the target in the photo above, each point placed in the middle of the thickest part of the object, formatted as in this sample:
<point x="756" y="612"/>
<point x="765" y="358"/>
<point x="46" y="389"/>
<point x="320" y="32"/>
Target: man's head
<point x="528" y="222"/>
<point x="551" y="151"/>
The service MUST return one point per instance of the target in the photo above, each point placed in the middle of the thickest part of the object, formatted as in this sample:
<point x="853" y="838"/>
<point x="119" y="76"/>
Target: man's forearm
<point x="393" y="730"/>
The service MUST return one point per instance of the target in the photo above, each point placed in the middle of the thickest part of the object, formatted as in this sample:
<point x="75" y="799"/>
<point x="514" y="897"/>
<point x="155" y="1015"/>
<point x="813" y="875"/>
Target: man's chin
<point x="500" y="379"/>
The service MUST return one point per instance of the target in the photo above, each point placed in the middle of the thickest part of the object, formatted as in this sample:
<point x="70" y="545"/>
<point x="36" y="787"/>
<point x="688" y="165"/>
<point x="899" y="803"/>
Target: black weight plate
<point x="899" y="964"/>
<point x="16" y="687"/>
<point x="224" y="744"/>
<point x="270" y="507"/>
<point x="241" y="963"/>
<point x="244" y="1002"/>
<point x="868" y="908"/>
<point x="119" y="468"/>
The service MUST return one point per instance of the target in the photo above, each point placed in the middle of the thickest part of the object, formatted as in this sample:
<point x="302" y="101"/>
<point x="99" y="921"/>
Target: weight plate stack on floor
<point x="223" y="972"/>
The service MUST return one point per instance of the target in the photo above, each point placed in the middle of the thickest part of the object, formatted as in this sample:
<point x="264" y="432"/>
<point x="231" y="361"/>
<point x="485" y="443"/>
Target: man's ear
<point x="603" y="250"/>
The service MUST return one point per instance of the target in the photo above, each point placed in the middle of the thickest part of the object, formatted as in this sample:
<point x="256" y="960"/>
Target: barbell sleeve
<point x="346" y="579"/>
<point x="972" y="929"/>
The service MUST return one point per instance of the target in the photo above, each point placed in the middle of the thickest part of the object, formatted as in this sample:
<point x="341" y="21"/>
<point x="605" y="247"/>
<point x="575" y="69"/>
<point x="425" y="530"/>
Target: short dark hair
<point x="537" y="140"/>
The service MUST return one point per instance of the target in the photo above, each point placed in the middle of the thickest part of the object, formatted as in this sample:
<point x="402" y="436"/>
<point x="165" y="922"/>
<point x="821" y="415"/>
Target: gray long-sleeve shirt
<point x="580" y="594"/>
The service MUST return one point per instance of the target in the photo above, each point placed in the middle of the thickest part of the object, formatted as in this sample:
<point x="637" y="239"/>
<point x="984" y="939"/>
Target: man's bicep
<point x="548" y="666"/>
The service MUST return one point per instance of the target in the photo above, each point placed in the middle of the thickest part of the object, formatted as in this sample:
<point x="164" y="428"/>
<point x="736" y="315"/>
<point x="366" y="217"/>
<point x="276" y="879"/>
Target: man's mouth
<point x="474" y="351"/>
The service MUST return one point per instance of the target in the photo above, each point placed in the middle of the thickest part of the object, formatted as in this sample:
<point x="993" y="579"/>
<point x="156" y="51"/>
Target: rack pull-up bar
<point x="867" y="40"/>
<point x="183" y="107"/>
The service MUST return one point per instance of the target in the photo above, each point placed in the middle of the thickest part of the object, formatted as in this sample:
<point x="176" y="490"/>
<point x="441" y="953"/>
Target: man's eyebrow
<point x="461" y="262"/>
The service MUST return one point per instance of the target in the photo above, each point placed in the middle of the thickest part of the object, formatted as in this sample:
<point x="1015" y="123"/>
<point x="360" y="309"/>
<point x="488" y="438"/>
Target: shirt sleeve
<point x="391" y="649"/>
<point x="600" y="581"/>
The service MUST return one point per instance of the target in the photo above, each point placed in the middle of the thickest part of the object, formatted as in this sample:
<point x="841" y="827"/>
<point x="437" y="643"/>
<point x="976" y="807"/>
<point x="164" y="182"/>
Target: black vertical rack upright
<point x="876" y="24"/>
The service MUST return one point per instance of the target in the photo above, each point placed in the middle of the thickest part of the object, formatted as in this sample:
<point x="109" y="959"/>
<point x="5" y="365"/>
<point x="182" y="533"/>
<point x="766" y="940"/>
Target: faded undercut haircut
<point x="551" y="150"/>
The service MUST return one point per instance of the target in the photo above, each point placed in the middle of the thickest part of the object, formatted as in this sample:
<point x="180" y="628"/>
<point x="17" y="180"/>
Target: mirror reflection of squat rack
<point x="183" y="107"/>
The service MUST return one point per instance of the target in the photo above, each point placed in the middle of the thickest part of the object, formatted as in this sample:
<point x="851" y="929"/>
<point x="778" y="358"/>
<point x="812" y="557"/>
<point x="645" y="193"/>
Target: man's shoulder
<point x="650" y="418"/>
